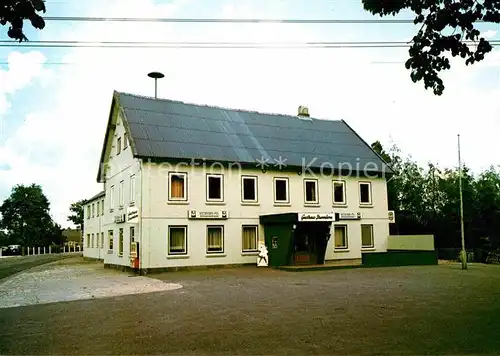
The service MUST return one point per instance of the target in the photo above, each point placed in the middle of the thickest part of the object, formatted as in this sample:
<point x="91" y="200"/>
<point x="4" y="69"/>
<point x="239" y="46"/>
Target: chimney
<point x="303" y="111"/>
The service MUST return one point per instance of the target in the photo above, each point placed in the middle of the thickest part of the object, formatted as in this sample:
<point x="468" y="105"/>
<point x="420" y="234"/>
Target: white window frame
<point x="341" y="248"/>
<point x="111" y="240"/>
<point x="112" y="198"/>
<point x="256" y="227"/>
<point x="344" y="196"/>
<point x="255" y="183"/>
<point x="372" y="237"/>
<point x="276" y="179"/>
<point x="88" y="212"/>
<point x="207" y="188"/>
<point x="93" y="210"/>
<point x="132" y="190"/>
<point x="93" y="238"/>
<point x="221" y="227"/>
<point x="121" y="241"/>
<point x="183" y="174"/>
<point x="102" y="206"/>
<point x="316" y="188"/>
<point x="184" y="253"/>
<point x="102" y="240"/>
<point x="125" y="141"/>
<point x="369" y="192"/>
<point x="121" y="194"/>
<point x="97" y="208"/>
<point x="118" y="145"/>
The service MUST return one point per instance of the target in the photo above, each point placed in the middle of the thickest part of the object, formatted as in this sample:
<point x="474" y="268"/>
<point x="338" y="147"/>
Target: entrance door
<point x="310" y="240"/>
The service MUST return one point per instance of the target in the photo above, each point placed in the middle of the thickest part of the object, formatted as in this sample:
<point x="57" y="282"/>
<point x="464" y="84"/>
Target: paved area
<point x="10" y="265"/>
<point x="73" y="279"/>
<point x="432" y="310"/>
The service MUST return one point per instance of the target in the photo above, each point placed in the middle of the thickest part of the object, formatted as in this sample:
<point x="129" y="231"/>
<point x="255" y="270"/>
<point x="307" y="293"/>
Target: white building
<point x="192" y="185"/>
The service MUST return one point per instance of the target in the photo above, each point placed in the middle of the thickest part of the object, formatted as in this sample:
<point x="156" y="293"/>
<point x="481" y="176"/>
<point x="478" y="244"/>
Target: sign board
<point x="349" y="216"/>
<point x="207" y="215"/>
<point x="316" y="217"/>
<point x="133" y="215"/>
<point x="119" y="218"/>
<point x="262" y="258"/>
<point x="392" y="217"/>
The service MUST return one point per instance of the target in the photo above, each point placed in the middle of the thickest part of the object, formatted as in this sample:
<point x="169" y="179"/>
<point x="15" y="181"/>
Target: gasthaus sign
<point x="312" y="217"/>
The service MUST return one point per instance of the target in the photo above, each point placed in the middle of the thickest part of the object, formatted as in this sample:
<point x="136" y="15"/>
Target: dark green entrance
<point x="291" y="242"/>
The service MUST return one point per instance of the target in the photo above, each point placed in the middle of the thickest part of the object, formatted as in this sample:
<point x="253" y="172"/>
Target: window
<point x="88" y="240"/>
<point x="97" y="209"/>
<point x="215" y="190"/>
<point x="341" y="237"/>
<point x="102" y="205"/>
<point x="177" y="186"/>
<point x="281" y="190"/>
<point x="132" y="189"/>
<point x="118" y="145"/>
<point x="365" y="193"/>
<point x="93" y="210"/>
<point x="177" y="240"/>
<point x="339" y="194"/>
<point x="215" y="239"/>
<point x="120" y="194"/>
<point x="132" y="234"/>
<point x="112" y="197"/>
<point x="102" y="239"/>
<point x="249" y="189"/>
<point x="367" y="236"/>
<point x="93" y="237"/>
<point x="88" y="211"/>
<point x="250" y="238"/>
<point x="110" y="239"/>
<point x="120" y="242"/>
<point x="311" y="191"/>
<point x="125" y="140"/>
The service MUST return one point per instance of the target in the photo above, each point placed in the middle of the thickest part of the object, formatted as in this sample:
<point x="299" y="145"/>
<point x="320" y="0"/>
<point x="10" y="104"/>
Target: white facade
<point x="163" y="210"/>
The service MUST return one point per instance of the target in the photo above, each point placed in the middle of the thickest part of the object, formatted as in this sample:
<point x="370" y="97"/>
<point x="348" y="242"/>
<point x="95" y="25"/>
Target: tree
<point x="440" y="20"/>
<point x="14" y="12"/>
<point x="77" y="216"/>
<point x="25" y="216"/>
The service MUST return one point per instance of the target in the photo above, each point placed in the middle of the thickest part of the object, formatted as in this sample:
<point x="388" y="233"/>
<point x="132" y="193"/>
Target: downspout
<point x="140" y="219"/>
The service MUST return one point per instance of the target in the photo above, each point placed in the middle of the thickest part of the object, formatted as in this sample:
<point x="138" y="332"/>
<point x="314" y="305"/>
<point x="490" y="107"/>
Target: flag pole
<point x="462" y="233"/>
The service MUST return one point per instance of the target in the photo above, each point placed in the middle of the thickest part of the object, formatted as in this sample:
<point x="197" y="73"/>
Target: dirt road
<point x="385" y="311"/>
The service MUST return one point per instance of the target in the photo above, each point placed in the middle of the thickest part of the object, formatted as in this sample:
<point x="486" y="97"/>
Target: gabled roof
<point x="95" y="197"/>
<point x="167" y="129"/>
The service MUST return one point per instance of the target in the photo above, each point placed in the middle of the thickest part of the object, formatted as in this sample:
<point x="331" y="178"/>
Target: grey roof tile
<point x="170" y="129"/>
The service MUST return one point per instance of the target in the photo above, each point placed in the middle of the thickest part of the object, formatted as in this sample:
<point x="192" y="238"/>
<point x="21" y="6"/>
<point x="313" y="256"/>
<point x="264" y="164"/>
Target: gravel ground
<point x="73" y="279"/>
<point x="10" y="265"/>
<point x="432" y="310"/>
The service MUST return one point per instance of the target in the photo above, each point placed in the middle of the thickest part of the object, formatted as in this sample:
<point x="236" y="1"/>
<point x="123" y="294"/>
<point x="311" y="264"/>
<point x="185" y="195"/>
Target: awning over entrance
<point x="297" y="238"/>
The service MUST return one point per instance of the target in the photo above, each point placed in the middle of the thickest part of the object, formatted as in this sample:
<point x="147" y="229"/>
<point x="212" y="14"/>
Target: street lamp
<point x="156" y="76"/>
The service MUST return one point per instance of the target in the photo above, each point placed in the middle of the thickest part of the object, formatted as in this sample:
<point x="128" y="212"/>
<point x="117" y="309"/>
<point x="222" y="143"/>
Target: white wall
<point x="93" y="225"/>
<point x="121" y="167"/>
<point x="159" y="213"/>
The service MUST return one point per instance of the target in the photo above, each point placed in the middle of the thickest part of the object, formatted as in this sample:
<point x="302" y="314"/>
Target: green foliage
<point x="430" y="44"/>
<point x="26" y="219"/>
<point x="77" y="213"/>
<point x="14" y="12"/>
<point x="427" y="200"/>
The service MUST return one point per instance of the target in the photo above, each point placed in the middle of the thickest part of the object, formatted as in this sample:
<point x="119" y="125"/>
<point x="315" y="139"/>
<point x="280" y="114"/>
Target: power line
<point x="227" y="20"/>
<point x="214" y="45"/>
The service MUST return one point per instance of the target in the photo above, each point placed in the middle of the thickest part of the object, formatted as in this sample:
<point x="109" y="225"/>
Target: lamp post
<point x="462" y="233"/>
<point x="156" y="76"/>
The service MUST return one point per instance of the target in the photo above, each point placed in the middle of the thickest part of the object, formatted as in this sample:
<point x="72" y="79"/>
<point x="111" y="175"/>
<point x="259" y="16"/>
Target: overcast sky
<point x="53" y="116"/>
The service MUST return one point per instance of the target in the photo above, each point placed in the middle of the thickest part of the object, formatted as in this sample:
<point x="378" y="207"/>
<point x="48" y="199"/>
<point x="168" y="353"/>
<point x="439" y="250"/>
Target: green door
<point x="279" y="243"/>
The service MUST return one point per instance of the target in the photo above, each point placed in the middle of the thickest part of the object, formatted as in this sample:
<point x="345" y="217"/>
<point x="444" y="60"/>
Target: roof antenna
<point x="156" y="76"/>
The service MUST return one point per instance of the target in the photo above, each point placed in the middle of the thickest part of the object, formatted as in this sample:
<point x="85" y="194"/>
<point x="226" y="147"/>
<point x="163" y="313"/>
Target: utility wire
<point x="225" y="45"/>
<point x="227" y="20"/>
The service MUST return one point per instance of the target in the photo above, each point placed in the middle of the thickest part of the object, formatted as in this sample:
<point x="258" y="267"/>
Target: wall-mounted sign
<point x="349" y="216"/>
<point x="133" y="215"/>
<point x="392" y="217"/>
<point x="119" y="219"/>
<point x="316" y="217"/>
<point x="208" y="215"/>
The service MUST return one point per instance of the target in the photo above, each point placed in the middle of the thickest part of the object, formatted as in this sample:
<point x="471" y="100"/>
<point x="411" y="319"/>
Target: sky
<point x="53" y="116"/>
